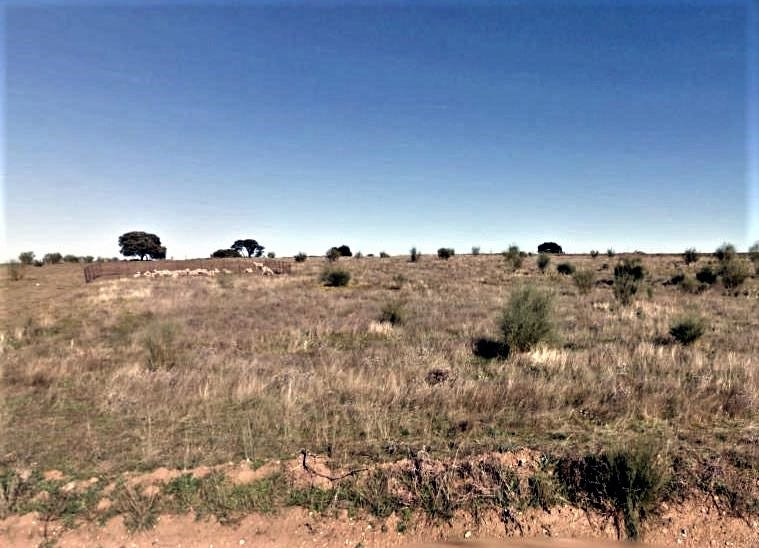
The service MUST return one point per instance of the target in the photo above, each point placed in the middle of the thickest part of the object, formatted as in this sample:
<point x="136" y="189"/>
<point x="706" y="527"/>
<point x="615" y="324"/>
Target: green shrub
<point x="565" y="268"/>
<point x="583" y="280"/>
<point x="358" y="255"/>
<point x="335" y="277"/>
<point x="734" y="272"/>
<point x="414" y="255"/>
<point x="513" y="257"/>
<point x="70" y="258"/>
<point x="26" y="257"/>
<point x="543" y="261"/>
<point x="630" y="483"/>
<point x="687" y="329"/>
<point x="610" y="252"/>
<point x="594" y="253"/>
<point x="332" y="254"/>
<point x="725" y="252"/>
<point x="446" y="252"/>
<point x="627" y="277"/>
<point x="690" y="255"/>
<point x="527" y="319"/>
<point x="392" y="313"/>
<point x="706" y="275"/>
<point x="476" y="250"/>
<point x="384" y="255"/>
<point x="689" y="285"/>
<point x="300" y="257"/>
<point x="88" y="259"/>
<point x="271" y="255"/>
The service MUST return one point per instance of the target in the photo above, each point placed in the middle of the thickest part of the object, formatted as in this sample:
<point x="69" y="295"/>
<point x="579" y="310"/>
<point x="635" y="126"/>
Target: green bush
<point x="513" y="257"/>
<point x="271" y="255"/>
<point x="335" y="277"/>
<point x="392" y="313"/>
<point x="384" y="255"/>
<point x="628" y="275"/>
<point x="445" y="253"/>
<point x="527" y="319"/>
<point x="583" y="280"/>
<point x="565" y="268"/>
<point x="332" y="254"/>
<point x="687" y="329"/>
<point x="630" y="482"/>
<point x="300" y="257"/>
<point x="594" y="253"/>
<point x="70" y="258"/>
<point x="725" y="252"/>
<point x="610" y="252"/>
<point x="26" y="257"/>
<point x="543" y="261"/>
<point x="414" y="255"/>
<point x="706" y="275"/>
<point x="476" y="250"/>
<point x="690" y="255"/>
<point x="52" y="258"/>
<point x="734" y="272"/>
<point x="689" y="285"/>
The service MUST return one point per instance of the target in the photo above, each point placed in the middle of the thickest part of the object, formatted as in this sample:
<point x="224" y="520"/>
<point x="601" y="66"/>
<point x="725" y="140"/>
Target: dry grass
<point x="261" y="367"/>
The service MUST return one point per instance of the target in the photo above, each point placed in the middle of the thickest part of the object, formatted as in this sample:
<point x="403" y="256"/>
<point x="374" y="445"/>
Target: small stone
<point x="242" y="541"/>
<point x="467" y="534"/>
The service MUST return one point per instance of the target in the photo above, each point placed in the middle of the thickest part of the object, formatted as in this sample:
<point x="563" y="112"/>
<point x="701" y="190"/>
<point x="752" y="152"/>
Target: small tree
<point x="543" y="261"/>
<point x="345" y="251"/>
<point x="26" y="257"/>
<point x="300" y="257"/>
<point x="734" y="272"/>
<point x="248" y="247"/>
<point x="594" y="253"/>
<point x="141" y="244"/>
<point x="70" y="258"/>
<point x="87" y="258"/>
<point x="384" y="255"/>
<point x="335" y="277"/>
<point x="445" y="253"/>
<point x="225" y="254"/>
<point x="52" y="258"/>
<point x="475" y="250"/>
<point x="271" y="255"/>
<point x="753" y="255"/>
<point x="526" y="320"/>
<point x="414" y="255"/>
<point x="610" y="252"/>
<point x="690" y="255"/>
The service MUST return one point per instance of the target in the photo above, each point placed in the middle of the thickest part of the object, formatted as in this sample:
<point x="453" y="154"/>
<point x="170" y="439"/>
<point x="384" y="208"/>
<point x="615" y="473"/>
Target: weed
<point x="526" y="321"/>
<point x="583" y="280"/>
<point x="335" y="277"/>
<point x="687" y="329"/>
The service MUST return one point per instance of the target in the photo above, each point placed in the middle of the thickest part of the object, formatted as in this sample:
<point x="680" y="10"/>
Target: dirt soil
<point x="688" y="525"/>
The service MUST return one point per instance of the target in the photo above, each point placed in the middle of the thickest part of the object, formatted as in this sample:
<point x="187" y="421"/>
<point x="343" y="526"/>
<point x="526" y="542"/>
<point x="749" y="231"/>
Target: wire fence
<point x="119" y="269"/>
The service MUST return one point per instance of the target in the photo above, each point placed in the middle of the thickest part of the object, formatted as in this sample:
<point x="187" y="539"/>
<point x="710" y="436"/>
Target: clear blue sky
<point x="381" y="126"/>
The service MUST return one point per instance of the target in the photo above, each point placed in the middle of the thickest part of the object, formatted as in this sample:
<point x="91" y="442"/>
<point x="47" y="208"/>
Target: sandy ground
<point x="690" y="525"/>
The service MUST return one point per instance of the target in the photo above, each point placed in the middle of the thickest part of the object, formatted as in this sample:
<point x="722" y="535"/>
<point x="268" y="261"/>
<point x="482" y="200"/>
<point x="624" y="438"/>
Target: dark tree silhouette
<point x="141" y="244"/>
<point x="251" y="247"/>
<point x="225" y="254"/>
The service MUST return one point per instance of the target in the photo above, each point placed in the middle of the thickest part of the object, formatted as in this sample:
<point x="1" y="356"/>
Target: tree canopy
<point x="141" y="244"/>
<point x="251" y="247"/>
<point x="225" y="254"/>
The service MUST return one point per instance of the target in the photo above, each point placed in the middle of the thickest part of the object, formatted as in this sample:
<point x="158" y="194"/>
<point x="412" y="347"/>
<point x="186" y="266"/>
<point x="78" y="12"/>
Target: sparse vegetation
<point x="610" y="252"/>
<point x="16" y="271"/>
<point x="384" y="255"/>
<point x="567" y="269"/>
<point x="476" y="250"/>
<point x="392" y="313"/>
<point x="300" y="257"/>
<point x="527" y="319"/>
<point x="414" y="255"/>
<point x="583" y="280"/>
<point x="734" y="272"/>
<point x="26" y="257"/>
<point x="52" y="258"/>
<point x="706" y="275"/>
<point x="594" y="253"/>
<point x="333" y="254"/>
<point x="513" y="257"/>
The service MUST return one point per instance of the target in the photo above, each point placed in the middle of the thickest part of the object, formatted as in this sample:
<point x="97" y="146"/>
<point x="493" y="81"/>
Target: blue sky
<point x="382" y="126"/>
